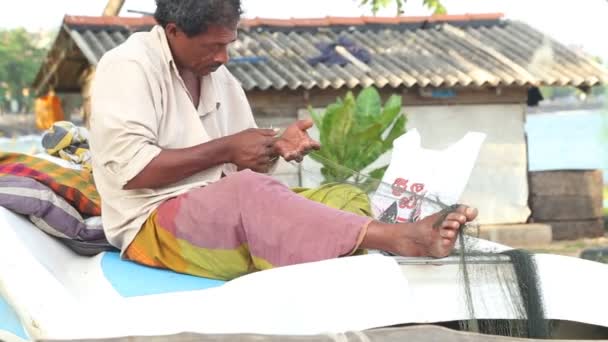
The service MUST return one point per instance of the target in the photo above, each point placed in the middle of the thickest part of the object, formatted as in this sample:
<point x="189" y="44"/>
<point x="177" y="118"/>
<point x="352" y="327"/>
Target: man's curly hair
<point x="194" y="16"/>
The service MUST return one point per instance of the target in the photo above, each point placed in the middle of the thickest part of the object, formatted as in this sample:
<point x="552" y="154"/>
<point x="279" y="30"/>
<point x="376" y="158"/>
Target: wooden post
<point x="113" y="8"/>
<point x="85" y="81"/>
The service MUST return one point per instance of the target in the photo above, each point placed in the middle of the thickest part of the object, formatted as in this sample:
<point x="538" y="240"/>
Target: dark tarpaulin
<point x="329" y="55"/>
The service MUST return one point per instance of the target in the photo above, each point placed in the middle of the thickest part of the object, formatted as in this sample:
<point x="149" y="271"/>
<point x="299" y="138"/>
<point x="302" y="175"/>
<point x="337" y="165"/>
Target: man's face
<point x="204" y="53"/>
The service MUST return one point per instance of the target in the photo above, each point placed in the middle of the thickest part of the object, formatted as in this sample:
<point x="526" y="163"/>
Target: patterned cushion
<point x="74" y="186"/>
<point x="52" y="214"/>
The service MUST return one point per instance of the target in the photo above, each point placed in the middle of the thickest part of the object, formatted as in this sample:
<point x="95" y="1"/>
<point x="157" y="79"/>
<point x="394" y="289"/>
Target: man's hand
<point x="295" y="142"/>
<point x="253" y="149"/>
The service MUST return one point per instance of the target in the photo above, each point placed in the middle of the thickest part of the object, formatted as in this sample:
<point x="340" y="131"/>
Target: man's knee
<point x="247" y="179"/>
<point x="341" y="196"/>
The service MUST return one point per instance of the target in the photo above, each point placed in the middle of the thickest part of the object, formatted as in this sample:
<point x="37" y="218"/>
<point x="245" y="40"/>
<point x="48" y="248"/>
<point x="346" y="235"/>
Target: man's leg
<point x="249" y="221"/>
<point x="415" y="240"/>
<point x="242" y="223"/>
<point x="339" y="196"/>
<point x="343" y="197"/>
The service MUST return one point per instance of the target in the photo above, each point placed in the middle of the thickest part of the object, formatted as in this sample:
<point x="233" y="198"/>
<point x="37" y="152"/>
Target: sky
<point x="577" y="23"/>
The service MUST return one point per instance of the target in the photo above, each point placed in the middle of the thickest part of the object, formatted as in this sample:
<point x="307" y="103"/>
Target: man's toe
<point x="471" y="213"/>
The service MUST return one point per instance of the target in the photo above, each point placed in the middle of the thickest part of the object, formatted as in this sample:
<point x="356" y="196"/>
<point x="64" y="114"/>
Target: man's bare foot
<point x="435" y="235"/>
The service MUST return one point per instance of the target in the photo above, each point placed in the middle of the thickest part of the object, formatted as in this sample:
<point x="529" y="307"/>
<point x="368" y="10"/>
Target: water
<point x="24" y="144"/>
<point x="569" y="140"/>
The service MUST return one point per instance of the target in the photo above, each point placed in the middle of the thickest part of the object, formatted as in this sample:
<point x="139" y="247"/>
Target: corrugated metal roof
<point x="438" y="51"/>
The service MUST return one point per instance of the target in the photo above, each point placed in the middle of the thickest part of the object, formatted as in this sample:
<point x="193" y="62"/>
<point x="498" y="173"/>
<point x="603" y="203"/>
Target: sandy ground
<point x="12" y="125"/>
<point x="571" y="248"/>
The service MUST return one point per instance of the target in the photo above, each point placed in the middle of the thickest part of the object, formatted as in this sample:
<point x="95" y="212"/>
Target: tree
<point x="376" y="5"/>
<point x="354" y="133"/>
<point x="20" y="59"/>
<point x="604" y="137"/>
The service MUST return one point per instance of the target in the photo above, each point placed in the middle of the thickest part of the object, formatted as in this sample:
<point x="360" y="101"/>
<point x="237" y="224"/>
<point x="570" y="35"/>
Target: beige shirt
<point x="140" y="105"/>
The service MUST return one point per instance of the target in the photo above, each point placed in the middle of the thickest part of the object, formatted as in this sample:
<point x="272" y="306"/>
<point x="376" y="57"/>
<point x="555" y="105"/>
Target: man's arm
<point x="295" y="143"/>
<point x="171" y="166"/>
<point x="124" y="134"/>
<point x="249" y="149"/>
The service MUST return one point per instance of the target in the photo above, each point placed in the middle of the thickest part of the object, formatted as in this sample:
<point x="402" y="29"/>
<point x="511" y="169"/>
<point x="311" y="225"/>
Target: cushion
<point x="53" y="214"/>
<point x="133" y="280"/>
<point x="74" y="186"/>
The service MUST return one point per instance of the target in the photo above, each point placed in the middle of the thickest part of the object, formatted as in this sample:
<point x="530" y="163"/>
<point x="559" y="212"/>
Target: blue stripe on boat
<point x="132" y="280"/>
<point x="10" y="322"/>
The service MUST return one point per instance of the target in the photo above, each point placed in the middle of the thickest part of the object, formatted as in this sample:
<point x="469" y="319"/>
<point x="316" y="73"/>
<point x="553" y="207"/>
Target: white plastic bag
<point x="416" y="173"/>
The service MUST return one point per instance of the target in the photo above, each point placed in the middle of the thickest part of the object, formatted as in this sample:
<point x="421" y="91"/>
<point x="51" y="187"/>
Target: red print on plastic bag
<point x="408" y="202"/>
<point x="417" y="187"/>
<point x="399" y="186"/>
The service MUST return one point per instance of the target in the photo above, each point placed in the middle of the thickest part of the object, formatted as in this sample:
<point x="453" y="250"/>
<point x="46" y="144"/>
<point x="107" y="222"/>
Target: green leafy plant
<point x="354" y="133"/>
<point x="20" y="58"/>
<point x="435" y="5"/>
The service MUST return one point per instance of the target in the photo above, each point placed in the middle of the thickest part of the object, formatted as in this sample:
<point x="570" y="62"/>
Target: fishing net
<point x="513" y="270"/>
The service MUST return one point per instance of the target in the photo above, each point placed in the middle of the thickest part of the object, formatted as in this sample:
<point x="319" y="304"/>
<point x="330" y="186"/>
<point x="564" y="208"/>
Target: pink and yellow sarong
<point x="248" y="222"/>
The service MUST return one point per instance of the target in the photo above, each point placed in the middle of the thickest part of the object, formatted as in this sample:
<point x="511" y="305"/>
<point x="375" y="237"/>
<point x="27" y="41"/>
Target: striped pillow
<point x="74" y="186"/>
<point x="52" y="214"/>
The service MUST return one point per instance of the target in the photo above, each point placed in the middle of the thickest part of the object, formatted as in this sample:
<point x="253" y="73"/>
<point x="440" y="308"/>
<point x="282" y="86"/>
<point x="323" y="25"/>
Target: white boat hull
<point x="56" y="294"/>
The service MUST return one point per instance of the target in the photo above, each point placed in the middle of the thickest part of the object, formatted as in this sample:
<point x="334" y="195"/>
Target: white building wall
<point x="498" y="185"/>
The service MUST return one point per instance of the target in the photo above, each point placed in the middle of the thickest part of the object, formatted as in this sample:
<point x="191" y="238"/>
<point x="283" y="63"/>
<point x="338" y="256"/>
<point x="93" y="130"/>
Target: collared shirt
<point x="140" y="106"/>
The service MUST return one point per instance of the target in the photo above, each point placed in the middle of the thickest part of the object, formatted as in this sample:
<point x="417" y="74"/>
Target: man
<point x="178" y="161"/>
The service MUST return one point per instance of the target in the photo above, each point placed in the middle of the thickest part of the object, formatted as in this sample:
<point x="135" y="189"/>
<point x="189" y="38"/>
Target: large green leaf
<point x="340" y="125"/>
<point x="371" y="132"/>
<point x="328" y="115"/>
<point x="320" y="156"/>
<point x="393" y="102"/>
<point x="317" y="118"/>
<point x="374" y="127"/>
<point x="378" y="173"/>
<point x="325" y="131"/>
<point x="396" y="131"/>
<point x="371" y="153"/>
<point x="369" y="103"/>
<point x="344" y="121"/>
<point x="391" y="110"/>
